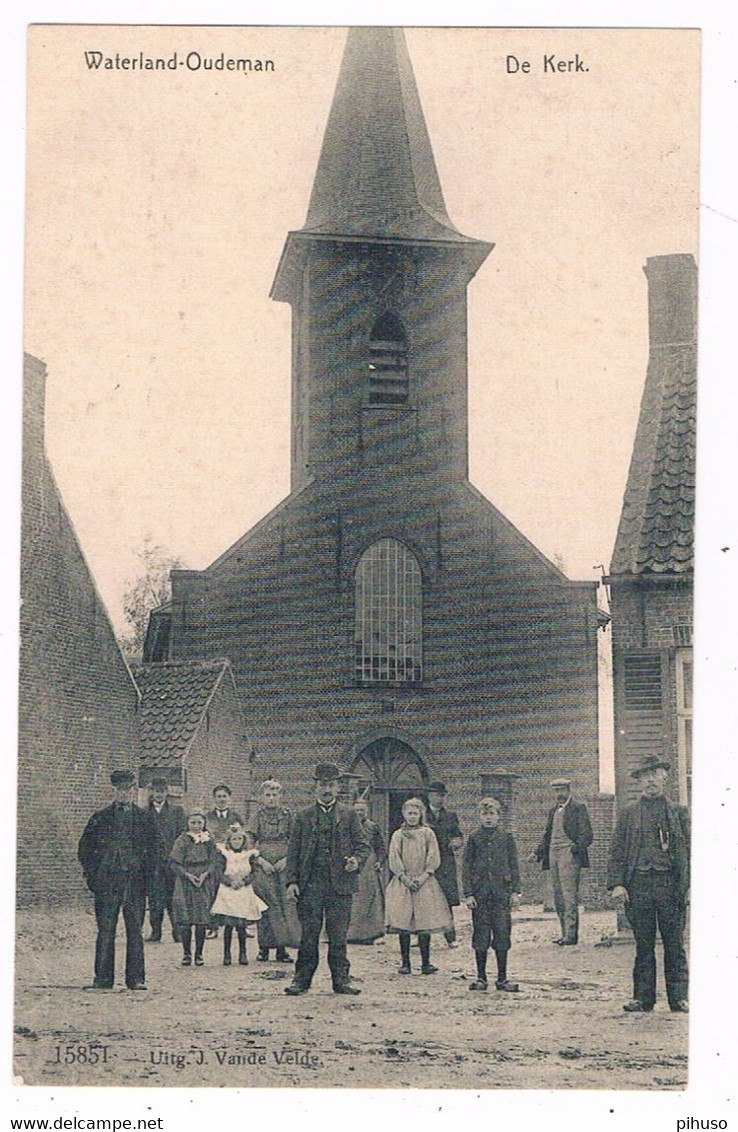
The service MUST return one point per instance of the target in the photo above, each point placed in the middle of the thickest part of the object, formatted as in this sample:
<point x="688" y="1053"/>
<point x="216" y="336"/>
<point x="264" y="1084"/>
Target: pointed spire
<point x="376" y="177"/>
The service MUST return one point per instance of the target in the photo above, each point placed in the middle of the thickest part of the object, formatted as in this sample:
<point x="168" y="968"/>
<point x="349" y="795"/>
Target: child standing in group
<point x="236" y="904"/>
<point x="491" y="884"/>
<point x="195" y="863"/>
<point x="415" y="900"/>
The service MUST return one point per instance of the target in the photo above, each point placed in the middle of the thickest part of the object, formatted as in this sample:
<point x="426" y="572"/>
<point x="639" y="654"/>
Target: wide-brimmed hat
<point x="197" y="812"/>
<point x="650" y="762"/>
<point x="158" y="784"/>
<point x="326" y="772"/>
<point x="560" y="782"/>
<point x="123" y="778"/>
<point x="437" y="788"/>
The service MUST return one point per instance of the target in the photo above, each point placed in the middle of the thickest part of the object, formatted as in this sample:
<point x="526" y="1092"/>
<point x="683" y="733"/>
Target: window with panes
<point x="389" y="615"/>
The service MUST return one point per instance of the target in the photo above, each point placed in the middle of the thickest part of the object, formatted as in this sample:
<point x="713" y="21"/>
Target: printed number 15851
<point x="81" y="1054"/>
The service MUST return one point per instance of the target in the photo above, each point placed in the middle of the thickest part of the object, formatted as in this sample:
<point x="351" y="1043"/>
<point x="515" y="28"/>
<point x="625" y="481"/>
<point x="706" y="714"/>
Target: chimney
<point x="672" y="299"/>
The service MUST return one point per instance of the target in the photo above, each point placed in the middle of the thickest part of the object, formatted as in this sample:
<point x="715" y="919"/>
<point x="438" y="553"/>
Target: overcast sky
<point x="158" y="204"/>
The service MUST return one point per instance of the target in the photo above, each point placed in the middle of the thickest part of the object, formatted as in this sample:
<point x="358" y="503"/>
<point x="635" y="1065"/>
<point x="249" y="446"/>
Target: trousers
<point x="318" y="901"/>
<point x="654" y="902"/>
<point x="492" y="922"/>
<point x="565" y="872"/>
<point x="126" y="892"/>
<point x="161" y="892"/>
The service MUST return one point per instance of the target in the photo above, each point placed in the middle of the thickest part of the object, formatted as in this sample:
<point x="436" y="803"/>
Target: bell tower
<point x="377" y="282"/>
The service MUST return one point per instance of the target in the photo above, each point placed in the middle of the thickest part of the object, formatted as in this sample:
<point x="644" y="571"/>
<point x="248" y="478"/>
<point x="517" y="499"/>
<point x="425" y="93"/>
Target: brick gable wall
<point x="509" y="646"/>
<point x="77" y="701"/>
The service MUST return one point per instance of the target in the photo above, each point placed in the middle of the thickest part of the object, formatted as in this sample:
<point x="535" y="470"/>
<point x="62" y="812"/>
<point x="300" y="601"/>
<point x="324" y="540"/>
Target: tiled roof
<point x="656" y="532"/>
<point x="174" y="698"/>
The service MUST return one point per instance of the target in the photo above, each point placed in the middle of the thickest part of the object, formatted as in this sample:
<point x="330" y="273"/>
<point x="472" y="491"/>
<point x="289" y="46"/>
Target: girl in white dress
<point x="414" y="899"/>
<point x="236" y="904"/>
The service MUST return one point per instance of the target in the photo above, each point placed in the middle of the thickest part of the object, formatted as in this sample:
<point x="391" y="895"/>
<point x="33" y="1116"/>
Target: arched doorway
<point x="390" y="771"/>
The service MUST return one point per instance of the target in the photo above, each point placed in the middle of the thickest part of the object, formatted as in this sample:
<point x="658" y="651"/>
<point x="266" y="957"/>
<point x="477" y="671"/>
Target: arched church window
<point x="388" y="369"/>
<point x="389" y="615"/>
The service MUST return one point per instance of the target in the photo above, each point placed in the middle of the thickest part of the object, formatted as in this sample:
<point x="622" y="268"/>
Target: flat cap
<point x="650" y="762"/>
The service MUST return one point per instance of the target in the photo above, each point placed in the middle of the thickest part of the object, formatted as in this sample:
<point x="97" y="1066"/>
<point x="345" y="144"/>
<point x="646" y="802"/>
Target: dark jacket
<point x="168" y="824"/>
<point x="218" y="827"/>
<point x="349" y="840"/>
<point x="490" y="864"/>
<point x="445" y="825"/>
<point x="376" y="841"/>
<point x="577" y="828"/>
<point x="626" y="842"/>
<point x="110" y="848"/>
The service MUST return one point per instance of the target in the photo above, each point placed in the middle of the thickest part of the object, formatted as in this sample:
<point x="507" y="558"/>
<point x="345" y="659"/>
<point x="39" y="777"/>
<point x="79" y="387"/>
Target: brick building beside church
<point x="385" y="615"/>
<point x="652" y="569"/>
<point x="77" y="700"/>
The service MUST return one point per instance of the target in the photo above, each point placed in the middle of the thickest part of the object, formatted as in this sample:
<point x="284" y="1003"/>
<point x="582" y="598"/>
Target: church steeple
<point x="376" y="176"/>
<point x="377" y="282"/>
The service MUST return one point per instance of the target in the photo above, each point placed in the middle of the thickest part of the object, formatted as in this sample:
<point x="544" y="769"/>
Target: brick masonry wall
<point x="509" y="645"/>
<point x="509" y="654"/>
<point x="77" y="701"/>
<point x="219" y="751"/>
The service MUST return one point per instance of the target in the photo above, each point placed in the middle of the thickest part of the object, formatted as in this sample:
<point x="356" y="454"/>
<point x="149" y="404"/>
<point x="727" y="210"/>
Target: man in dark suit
<point x="326" y="851"/>
<point x="117" y="851"/>
<point x="649" y="869"/>
<point x="563" y="850"/>
<point x="445" y="825"/>
<point x="169" y="821"/>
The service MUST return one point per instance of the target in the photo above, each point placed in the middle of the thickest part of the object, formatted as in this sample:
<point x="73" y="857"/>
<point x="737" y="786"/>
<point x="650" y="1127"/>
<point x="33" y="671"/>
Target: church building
<point x="385" y="615"/>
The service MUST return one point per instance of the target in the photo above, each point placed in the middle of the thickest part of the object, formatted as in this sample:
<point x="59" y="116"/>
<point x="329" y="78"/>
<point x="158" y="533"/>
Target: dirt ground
<point x="234" y="1027"/>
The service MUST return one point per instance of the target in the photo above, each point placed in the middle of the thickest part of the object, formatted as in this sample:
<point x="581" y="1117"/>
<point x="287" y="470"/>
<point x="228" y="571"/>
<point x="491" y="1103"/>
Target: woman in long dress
<point x="279" y="927"/>
<point x="196" y="864"/>
<point x="415" y="900"/>
<point x="367" y="907"/>
<point x="236" y="904"/>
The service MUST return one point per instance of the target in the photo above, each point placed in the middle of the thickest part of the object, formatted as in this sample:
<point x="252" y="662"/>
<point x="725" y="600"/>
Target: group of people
<point x="323" y="871"/>
<point x="202" y="868"/>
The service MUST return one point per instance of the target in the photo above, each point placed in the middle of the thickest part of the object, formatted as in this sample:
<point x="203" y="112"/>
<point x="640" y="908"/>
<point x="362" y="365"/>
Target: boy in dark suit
<point x="491" y="883"/>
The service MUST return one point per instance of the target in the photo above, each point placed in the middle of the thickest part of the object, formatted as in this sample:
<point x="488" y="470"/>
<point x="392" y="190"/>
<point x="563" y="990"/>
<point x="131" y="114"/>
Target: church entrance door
<point x="389" y="771"/>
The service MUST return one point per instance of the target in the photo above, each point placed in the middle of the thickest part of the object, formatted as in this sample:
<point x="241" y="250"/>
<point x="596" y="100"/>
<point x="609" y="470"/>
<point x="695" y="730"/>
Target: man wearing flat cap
<point x="117" y="852"/>
<point x="563" y="850"/>
<point x="649" y="870"/>
<point x="327" y="850"/>
<point x="169" y="821"/>
<point x="445" y="825"/>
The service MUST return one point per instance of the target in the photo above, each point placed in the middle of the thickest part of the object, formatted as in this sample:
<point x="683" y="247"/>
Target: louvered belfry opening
<point x="388" y="362"/>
